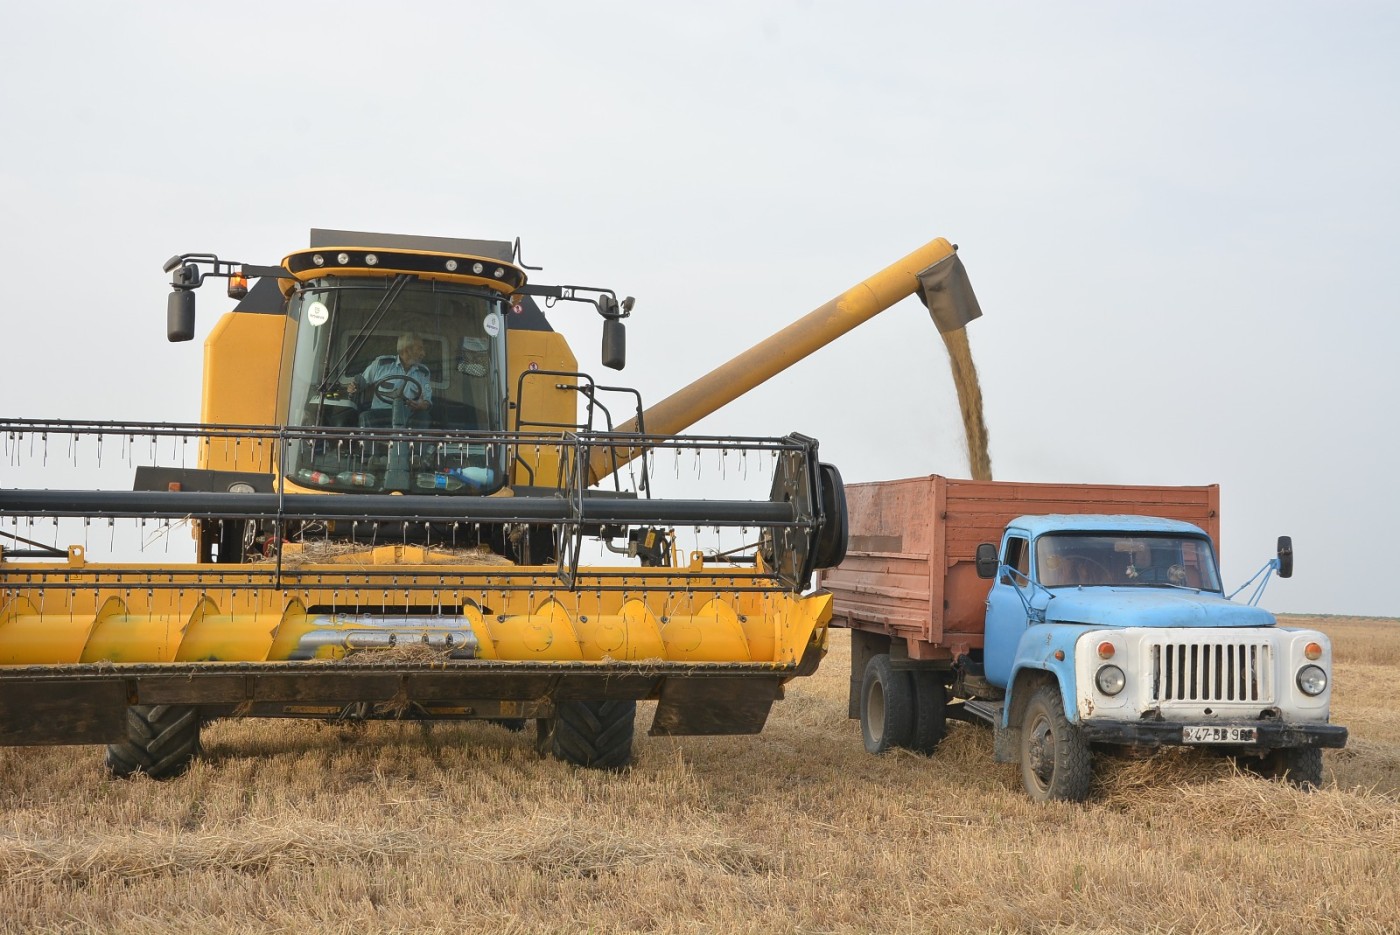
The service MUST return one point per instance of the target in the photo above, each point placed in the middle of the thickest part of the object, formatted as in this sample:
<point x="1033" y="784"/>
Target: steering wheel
<point x="1095" y="567"/>
<point x="390" y="388"/>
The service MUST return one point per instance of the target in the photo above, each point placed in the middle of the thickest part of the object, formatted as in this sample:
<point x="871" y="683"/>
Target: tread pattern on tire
<point x="930" y="711"/>
<point x="595" y="734"/>
<point x="1301" y="767"/>
<point x="162" y="741"/>
<point x="1074" y="766"/>
<point x="896" y="689"/>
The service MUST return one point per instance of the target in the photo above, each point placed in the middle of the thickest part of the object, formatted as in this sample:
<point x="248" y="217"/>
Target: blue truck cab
<point x="1115" y="630"/>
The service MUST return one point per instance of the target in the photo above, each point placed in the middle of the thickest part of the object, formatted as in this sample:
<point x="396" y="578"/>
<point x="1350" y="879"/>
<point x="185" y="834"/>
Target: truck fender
<point x="1045" y="653"/>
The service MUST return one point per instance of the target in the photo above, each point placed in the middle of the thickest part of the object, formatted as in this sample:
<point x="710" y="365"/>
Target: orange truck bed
<point x="910" y="570"/>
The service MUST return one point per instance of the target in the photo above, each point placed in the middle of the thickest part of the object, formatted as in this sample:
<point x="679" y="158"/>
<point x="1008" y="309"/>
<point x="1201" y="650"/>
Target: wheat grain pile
<point x="300" y="827"/>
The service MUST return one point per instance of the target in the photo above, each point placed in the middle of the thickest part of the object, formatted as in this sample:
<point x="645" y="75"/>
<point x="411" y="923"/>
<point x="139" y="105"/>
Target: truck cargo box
<point x="910" y="569"/>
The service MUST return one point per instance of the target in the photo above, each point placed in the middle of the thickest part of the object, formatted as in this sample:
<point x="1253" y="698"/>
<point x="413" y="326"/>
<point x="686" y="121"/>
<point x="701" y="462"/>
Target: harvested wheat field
<point x="300" y="827"/>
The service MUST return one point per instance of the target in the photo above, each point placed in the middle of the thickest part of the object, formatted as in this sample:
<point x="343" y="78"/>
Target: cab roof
<point x="1103" y="522"/>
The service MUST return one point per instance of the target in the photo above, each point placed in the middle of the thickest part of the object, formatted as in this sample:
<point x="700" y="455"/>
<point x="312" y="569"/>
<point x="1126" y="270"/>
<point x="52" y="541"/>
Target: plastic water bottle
<point x="440" y="482"/>
<point x="356" y="478"/>
<point x="474" y="478"/>
<point x="313" y="478"/>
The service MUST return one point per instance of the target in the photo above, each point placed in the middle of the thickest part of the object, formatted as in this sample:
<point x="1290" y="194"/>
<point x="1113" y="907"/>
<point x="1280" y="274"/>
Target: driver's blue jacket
<point x="389" y="365"/>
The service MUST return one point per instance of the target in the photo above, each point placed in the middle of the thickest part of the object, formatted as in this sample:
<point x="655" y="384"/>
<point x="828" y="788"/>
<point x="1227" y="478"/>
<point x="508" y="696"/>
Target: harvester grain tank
<point x="408" y="502"/>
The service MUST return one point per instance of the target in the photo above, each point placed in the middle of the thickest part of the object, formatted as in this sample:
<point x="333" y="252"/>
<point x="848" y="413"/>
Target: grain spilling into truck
<point x="969" y="390"/>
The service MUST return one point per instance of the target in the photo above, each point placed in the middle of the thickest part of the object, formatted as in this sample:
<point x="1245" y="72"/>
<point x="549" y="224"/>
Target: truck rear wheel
<point x="161" y="741"/>
<point x="1300" y="766"/>
<point x="596" y="734"/>
<point x="1055" y="759"/>
<point x="886" y="706"/>
<point x="930" y="711"/>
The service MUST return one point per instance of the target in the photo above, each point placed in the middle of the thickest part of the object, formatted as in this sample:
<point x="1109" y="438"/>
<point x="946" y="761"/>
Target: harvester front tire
<point x="162" y="741"/>
<point x="886" y="706"/>
<point x="1056" y="764"/>
<point x="595" y="734"/>
<point x="930" y="711"/>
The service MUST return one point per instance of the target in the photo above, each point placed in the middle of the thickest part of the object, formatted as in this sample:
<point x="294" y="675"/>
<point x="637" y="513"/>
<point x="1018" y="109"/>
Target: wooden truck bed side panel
<point x="910" y="568"/>
<point x="886" y="581"/>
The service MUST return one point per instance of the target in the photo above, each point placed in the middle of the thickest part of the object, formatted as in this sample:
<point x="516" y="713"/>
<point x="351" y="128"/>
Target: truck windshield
<point x="431" y="358"/>
<point x="1126" y="560"/>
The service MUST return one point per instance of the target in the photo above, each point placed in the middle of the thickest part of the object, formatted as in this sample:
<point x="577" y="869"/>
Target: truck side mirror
<point x="179" y="316"/>
<point x="987" y="563"/>
<point x="614" y="343"/>
<point x="1285" y="556"/>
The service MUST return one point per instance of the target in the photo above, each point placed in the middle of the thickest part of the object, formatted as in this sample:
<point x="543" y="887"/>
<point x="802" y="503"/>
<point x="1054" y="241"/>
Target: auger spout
<point x="933" y="271"/>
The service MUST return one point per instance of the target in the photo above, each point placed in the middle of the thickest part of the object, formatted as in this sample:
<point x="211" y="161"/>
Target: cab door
<point x="1006" y="608"/>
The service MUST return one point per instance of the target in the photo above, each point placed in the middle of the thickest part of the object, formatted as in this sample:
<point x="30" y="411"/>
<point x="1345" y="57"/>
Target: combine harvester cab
<point x="406" y="502"/>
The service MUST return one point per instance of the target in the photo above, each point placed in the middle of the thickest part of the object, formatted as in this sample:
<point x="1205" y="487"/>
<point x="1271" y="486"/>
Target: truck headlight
<point x="1110" y="679"/>
<point x="1312" y="680"/>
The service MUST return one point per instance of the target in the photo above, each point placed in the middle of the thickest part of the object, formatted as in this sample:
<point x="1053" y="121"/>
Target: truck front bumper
<point x="1269" y="735"/>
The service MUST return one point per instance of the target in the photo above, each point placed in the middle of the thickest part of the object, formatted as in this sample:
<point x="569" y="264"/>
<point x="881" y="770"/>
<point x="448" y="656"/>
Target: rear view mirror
<point x="1285" y="556"/>
<point x="614" y="344"/>
<point x="987" y="560"/>
<point x="179" y="316"/>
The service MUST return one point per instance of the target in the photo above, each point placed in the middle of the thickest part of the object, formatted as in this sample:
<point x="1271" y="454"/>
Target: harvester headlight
<point x="343" y="259"/>
<point x="239" y="486"/>
<point x="1110" y="680"/>
<point x="1312" y="680"/>
<point x="500" y="271"/>
<point x="371" y="259"/>
<point x="477" y="268"/>
<point x="451" y="266"/>
<point x="318" y="259"/>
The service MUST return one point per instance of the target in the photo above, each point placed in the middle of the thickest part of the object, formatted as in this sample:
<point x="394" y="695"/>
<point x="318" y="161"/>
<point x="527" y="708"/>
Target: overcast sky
<point x="1180" y="219"/>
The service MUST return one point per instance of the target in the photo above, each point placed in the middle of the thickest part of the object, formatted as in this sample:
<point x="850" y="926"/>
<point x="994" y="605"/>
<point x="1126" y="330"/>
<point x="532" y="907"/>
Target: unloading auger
<point x="407" y="502"/>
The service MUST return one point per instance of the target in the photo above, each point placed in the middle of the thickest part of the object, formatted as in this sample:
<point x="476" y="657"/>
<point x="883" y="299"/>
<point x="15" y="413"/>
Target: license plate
<point x="1219" y="735"/>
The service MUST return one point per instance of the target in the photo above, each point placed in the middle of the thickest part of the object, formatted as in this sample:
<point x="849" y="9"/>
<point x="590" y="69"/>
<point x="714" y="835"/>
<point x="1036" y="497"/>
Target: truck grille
<point x="1238" y="670"/>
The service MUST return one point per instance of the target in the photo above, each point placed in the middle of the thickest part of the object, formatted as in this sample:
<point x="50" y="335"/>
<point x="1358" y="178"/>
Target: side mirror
<point x="987" y="563"/>
<point x="1285" y="556"/>
<point x="179" y="316"/>
<point x="614" y="344"/>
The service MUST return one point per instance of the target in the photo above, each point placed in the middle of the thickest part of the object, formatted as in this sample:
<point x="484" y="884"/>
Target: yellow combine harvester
<point x="394" y="488"/>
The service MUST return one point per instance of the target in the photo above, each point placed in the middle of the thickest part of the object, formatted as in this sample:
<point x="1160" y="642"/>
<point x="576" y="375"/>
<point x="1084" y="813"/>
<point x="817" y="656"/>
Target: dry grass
<point x="299" y="827"/>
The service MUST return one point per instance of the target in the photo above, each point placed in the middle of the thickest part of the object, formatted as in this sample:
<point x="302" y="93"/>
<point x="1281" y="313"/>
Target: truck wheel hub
<point x="1040" y="751"/>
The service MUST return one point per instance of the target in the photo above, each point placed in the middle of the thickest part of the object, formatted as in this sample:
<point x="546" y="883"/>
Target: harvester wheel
<point x="1056" y="764"/>
<point x="930" y="711"/>
<point x="596" y="734"/>
<point x="161" y="741"/>
<point x="886" y="706"/>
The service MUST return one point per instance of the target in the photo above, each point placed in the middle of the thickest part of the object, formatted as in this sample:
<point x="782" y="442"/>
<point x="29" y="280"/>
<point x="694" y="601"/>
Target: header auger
<point x="407" y="502"/>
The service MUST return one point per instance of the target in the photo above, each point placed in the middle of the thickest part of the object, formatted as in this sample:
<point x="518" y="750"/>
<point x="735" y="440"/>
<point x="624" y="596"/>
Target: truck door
<point x="1006" y="608"/>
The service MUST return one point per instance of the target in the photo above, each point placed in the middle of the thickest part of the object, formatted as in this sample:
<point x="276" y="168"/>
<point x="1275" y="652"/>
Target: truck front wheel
<point x="886" y="706"/>
<point x="1300" y="766"/>
<point x="1055" y="760"/>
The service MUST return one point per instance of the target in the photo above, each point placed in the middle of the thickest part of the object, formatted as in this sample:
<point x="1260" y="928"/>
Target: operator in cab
<point x="400" y="386"/>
